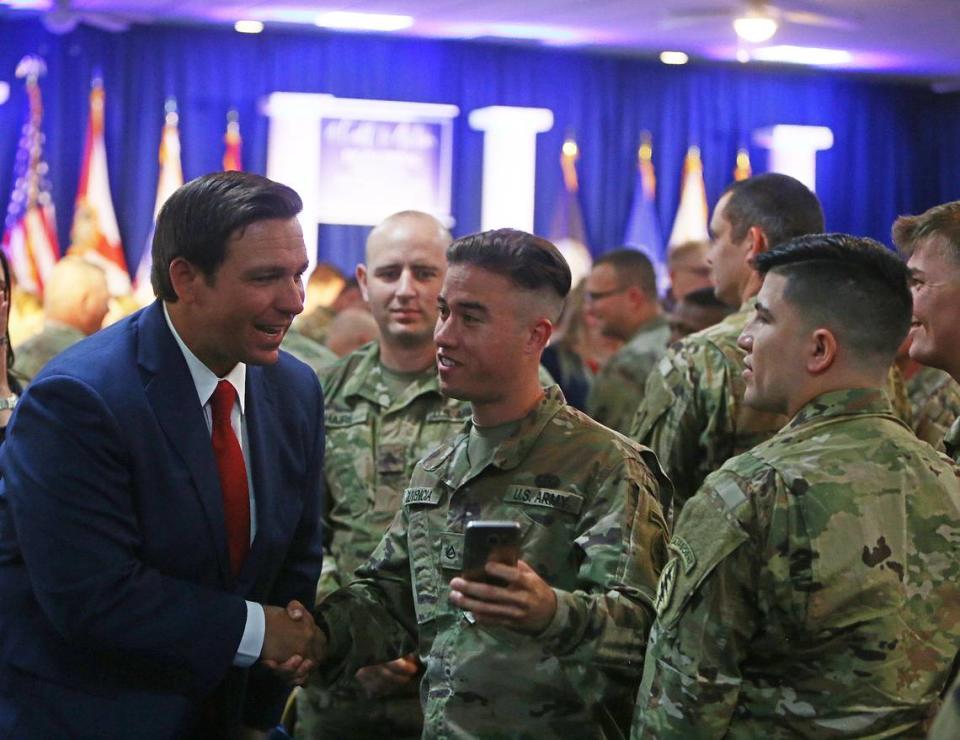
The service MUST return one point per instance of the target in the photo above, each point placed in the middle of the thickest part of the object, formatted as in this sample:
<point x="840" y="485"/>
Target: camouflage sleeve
<point x="706" y="619"/>
<point x="674" y="416"/>
<point x="604" y="621"/>
<point x="616" y="393"/>
<point x="330" y="579"/>
<point x="372" y="620"/>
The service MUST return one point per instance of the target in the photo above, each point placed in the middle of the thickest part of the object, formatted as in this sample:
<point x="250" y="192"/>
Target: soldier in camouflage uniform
<point x="556" y="651"/>
<point x="934" y="403"/>
<point x="384" y="412"/>
<point x="692" y="415"/>
<point x="813" y="588"/>
<point x="621" y="295"/>
<point x="932" y="241"/>
<point x="74" y="306"/>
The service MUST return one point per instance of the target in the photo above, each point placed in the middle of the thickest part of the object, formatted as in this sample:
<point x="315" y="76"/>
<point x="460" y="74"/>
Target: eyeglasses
<point x="594" y="296"/>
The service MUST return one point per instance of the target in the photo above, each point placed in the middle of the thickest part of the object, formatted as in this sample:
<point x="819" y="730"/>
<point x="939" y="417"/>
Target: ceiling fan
<point x="755" y="21"/>
<point x="63" y="17"/>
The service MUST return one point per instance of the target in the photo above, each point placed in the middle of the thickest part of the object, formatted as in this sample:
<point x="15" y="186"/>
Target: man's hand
<point x="387" y="679"/>
<point x="526" y="604"/>
<point x="292" y="644"/>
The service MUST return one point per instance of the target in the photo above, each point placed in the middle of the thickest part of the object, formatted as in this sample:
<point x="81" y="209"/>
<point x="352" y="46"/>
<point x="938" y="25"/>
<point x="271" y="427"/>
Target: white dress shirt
<point x="205" y="381"/>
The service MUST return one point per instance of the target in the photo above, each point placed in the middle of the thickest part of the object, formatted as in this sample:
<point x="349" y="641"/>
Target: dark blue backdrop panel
<point x="896" y="146"/>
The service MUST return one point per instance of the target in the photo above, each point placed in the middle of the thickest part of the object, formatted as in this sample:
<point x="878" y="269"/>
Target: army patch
<point x="345" y="418"/>
<point x="668" y="579"/>
<point x="546" y="497"/>
<point x="391" y="458"/>
<point x="451" y="551"/>
<point x="687" y="557"/>
<point x="421" y="496"/>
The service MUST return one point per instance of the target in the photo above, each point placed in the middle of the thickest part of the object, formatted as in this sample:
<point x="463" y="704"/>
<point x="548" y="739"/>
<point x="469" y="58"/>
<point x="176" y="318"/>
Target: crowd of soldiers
<point x="752" y="531"/>
<point x="794" y="573"/>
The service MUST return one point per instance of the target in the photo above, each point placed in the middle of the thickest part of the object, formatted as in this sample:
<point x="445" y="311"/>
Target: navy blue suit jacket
<point x="119" y="616"/>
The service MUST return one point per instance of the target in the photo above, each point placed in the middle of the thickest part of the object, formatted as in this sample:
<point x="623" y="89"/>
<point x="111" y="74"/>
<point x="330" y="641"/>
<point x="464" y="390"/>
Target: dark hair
<point x="940" y="221"/>
<point x="779" y="204"/>
<point x="8" y="294"/>
<point x="706" y="298"/>
<point x="528" y="261"/>
<point x="853" y="285"/>
<point x="633" y="268"/>
<point x="198" y="220"/>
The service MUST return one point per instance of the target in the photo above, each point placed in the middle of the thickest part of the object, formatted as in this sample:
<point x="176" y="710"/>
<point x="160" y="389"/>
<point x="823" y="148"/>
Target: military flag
<point x="566" y="228"/>
<point x="643" y="227"/>
<point x="30" y="228"/>
<point x="95" y="235"/>
<point x="170" y="178"/>
<point x="232" y="143"/>
<point x="690" y="224"/>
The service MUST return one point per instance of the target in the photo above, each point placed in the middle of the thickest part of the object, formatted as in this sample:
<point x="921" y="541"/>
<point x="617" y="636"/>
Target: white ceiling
<point x="899" y="37"/>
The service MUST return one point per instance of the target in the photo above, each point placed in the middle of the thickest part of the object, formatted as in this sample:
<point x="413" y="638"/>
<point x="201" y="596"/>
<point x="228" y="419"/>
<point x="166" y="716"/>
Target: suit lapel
<point x="262" y="436"/>
<point x="173" y="396"/>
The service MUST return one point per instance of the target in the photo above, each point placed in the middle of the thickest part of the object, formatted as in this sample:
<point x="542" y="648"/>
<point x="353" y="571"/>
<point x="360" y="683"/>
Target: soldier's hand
<point x="292" y="644"/>
<point x="388" y="678"/>
<point x="526" y="604"/>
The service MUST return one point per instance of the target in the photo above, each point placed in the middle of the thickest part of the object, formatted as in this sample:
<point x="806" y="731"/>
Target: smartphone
<point x="489" y="540"/>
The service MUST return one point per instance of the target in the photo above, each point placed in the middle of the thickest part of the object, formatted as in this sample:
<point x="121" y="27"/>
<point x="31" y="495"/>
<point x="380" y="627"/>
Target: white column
<point x="793" y="150"/>
<point x="509" y="163"/>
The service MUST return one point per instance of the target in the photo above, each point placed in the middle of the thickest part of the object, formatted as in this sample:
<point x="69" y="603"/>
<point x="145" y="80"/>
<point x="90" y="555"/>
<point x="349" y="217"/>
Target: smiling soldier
<point x="557" y="651"/>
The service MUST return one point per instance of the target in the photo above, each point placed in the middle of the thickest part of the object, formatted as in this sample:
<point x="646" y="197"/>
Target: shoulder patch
<point x="546" y="497"/>
<point x="729" y="492"/>
<point x="668" y="579"/>
<point x="681" y="547"/>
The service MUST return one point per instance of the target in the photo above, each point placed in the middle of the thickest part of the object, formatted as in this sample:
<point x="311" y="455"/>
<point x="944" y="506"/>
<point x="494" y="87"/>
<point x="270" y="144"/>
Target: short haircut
<point x="779" y="204"/>
<point x="528" y="261"/>
<point x="198" y="220"/>
<point x="682" y="254"/>
<point x="941" y="222"/>
<point x="633" y="268"/>
<point x="706" y="298"/>
<point x="853" y="285"/>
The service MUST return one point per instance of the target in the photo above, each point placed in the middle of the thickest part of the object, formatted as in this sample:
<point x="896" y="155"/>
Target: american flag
<point x="30" y="228"/>
<point x="232" y="143"/>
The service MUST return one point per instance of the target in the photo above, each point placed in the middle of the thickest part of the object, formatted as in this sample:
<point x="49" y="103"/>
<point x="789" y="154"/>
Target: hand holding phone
<point x="486" y="540"/>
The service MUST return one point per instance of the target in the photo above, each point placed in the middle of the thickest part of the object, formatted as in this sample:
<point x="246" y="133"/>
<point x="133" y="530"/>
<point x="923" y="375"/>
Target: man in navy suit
<point x="161" y="489"/>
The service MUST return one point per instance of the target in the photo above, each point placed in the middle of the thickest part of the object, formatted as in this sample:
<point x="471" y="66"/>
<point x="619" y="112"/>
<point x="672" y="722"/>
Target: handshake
<point x="293" y="645"/>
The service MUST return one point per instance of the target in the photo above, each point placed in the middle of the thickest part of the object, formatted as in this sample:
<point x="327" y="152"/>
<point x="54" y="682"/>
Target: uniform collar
<point x="848" y="402"/>
<point x="513" y="450"/>
<point x="367" y="382"/>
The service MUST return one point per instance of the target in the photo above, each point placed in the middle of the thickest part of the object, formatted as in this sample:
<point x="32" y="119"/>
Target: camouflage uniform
<point x="951" y="441"/>
<point x="934" y="403"/>
<point x="308" y="351"/>
<point x="947" y="724"/>
<point x="693" y="415"/>
<point x="37" y="351"/>
<point x="587" y="502"/>
<point x="617" y="390"/>
<point x="813" y="588"/>
<point x="373" y="442"/>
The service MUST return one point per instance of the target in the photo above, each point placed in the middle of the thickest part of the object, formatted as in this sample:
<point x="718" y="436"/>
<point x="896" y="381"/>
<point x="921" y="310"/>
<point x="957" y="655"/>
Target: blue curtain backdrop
<point x="896" y="150"/>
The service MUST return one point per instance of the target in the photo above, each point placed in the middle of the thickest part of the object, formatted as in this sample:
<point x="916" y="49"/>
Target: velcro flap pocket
<point x="707" y="532"/>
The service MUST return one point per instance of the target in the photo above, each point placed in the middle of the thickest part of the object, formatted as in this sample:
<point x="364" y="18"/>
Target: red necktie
<point x="233" y="474"/>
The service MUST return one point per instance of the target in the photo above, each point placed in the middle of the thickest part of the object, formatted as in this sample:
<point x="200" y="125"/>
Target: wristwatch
<point x="9" y="402"/>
